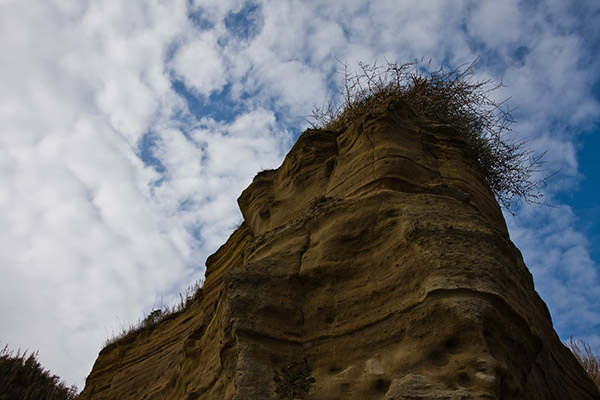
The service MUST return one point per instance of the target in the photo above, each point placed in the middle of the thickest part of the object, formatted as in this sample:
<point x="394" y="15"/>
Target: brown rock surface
<point x="373" y="264"/>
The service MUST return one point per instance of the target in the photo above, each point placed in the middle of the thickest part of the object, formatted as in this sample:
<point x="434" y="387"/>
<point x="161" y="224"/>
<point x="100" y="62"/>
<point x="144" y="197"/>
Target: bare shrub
<point x="449" y="97"/>
<point x="587" y="357"/>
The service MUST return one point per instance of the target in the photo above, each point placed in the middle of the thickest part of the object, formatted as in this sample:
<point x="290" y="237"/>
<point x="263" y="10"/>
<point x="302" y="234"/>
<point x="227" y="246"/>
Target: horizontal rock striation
<point x="373" y="264"/>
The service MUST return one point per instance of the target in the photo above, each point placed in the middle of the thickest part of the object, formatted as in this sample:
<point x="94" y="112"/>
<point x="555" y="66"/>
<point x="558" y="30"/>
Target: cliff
<point x="374" y="263"/>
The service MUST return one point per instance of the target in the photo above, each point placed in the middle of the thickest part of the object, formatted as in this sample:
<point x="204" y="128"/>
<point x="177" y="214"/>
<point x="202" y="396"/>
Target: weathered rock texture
<point x="373" y="264"/>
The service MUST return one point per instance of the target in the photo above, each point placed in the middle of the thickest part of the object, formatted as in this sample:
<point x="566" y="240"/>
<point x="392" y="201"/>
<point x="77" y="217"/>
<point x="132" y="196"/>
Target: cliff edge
<point x="375" y="263"/>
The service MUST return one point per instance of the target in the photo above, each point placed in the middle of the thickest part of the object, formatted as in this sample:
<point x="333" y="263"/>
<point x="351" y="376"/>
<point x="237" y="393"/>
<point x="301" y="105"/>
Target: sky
<point x="128" y="128"/>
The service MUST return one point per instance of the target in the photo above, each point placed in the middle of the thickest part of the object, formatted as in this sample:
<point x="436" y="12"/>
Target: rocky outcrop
<point x="373" y="264"/>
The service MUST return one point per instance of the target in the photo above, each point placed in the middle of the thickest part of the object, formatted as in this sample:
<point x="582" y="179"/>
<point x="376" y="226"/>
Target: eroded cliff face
<point x="373" y="264"/>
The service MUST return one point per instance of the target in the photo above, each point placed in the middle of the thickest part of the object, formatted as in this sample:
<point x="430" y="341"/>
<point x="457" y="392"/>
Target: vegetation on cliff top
<point x="190" y="295"/>
<point x="22" y="377"/>
<point x="448" y="97"/>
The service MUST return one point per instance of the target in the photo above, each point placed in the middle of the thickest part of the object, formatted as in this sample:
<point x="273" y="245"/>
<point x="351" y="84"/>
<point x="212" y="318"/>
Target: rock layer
<point x="373" y="264"/>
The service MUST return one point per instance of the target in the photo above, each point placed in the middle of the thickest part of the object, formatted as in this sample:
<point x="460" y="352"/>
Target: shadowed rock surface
<point x="374" y="263"/>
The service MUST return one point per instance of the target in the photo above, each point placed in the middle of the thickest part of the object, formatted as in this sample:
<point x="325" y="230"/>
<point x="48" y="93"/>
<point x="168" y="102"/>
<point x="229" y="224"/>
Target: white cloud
<point x="80" y="228"/>
<point x="565" y="275"/>
<point x="218" y="8"/>
<point x="498" y="24"/>
<point x="209" y="167"/>
<point x="200" y="66"/>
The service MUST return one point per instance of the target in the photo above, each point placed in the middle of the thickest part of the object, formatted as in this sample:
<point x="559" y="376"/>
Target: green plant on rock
<point x="294" y="380"/>
<point x="153" y="318"/>
<point x="449" y="97"/>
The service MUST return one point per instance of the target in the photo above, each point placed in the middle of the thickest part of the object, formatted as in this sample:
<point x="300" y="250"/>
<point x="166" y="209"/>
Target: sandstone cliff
<point x="373" y="264"/>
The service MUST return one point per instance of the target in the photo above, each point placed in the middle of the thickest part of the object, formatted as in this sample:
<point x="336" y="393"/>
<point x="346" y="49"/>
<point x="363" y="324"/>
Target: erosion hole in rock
<point x="382" y="385"/>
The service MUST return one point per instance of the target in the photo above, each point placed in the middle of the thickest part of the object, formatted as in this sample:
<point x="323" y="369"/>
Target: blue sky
<point x="129" y="128"/>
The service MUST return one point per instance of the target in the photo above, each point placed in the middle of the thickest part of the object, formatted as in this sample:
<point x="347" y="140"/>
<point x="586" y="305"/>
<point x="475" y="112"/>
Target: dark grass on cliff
<point x="448" y="97"/>
<point x="23" y="377"/>
<point x="163" y="313"/>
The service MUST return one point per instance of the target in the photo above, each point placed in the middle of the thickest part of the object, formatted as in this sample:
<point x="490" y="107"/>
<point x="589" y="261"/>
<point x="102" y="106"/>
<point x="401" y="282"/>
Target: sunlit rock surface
<point x="373" y="264"/>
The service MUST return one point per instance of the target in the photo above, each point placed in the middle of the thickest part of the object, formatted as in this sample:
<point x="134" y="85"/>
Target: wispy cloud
<point x="129" y="129"/>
